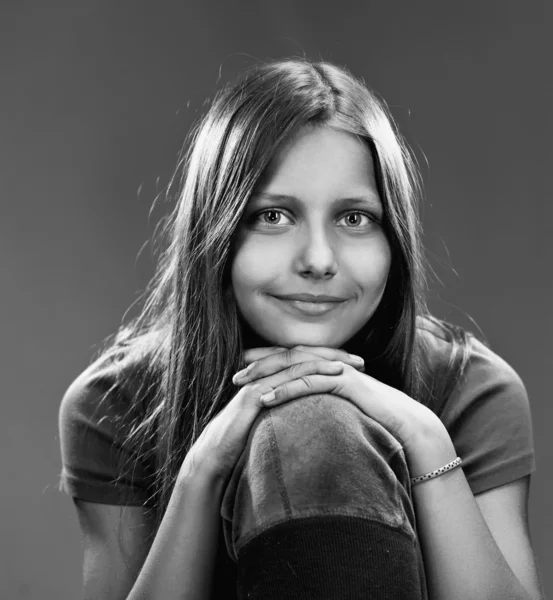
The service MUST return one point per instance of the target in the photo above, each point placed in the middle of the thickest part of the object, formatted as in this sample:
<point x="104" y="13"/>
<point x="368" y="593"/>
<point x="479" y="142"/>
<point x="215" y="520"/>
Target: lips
<point x="312" y="309"/>
<point x="311" y="298"/>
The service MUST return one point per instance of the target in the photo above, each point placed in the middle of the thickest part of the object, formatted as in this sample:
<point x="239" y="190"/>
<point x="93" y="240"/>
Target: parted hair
<point x="189" y="339"/>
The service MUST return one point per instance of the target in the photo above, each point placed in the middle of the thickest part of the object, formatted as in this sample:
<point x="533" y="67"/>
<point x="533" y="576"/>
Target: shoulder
<point x="487" y="414"/>
<point x="481" y="375"/>
<point x="108" y="385"/>
<point x="482" y="364"/>
<point x="94" y="415"/>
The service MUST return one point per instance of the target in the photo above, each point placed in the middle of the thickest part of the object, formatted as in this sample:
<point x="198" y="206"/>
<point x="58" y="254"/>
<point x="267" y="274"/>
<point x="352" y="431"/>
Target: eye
<point x="255" y="217"/>
<point x="362" y="214"/>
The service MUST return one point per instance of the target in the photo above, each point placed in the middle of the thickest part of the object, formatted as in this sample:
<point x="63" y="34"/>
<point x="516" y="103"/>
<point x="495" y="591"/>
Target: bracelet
<point x="437" y="472"/>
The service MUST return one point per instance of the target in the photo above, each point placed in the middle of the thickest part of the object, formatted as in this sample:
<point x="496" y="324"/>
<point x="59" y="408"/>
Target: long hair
<point x="188" y="339"/>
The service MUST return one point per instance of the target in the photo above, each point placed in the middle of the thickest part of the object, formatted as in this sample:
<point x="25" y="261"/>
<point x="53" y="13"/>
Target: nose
<point x="317" y="254"/>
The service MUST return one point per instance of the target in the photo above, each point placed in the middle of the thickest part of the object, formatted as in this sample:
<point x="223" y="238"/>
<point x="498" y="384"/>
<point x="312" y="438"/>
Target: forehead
<point x="318" y="159"/>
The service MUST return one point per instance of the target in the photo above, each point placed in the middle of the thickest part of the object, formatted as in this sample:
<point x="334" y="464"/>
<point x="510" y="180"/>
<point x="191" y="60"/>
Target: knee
<point x="326" y="442"/>
<point x="318" y="454"/>
<point x="323" y="427"/>
<point x="322" y="450"/>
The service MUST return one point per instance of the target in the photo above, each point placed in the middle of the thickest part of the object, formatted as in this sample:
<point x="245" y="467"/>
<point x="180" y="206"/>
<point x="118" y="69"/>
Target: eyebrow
<point x="364" y="199"/>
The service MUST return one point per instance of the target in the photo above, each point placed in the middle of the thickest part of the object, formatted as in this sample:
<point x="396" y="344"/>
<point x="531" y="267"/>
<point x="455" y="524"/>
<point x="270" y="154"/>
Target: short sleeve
<point x="488" y="417"/>
<point x="90" y="454"/>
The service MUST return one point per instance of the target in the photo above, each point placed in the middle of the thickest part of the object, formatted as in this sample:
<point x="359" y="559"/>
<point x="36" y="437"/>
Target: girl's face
<point x="324" y="237"/>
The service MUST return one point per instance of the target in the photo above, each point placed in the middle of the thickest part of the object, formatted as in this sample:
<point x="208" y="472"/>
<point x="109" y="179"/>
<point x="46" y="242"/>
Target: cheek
<point x="253" y="268"/>
<point x="372" y="271"/>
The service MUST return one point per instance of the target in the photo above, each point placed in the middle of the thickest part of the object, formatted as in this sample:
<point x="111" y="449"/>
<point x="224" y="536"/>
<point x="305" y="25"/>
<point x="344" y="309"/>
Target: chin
<point x="327" y="341"/>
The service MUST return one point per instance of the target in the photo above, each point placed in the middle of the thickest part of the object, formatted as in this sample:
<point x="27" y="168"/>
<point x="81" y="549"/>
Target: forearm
<point x="180" y="564"/>
<point x="461" y="557"/>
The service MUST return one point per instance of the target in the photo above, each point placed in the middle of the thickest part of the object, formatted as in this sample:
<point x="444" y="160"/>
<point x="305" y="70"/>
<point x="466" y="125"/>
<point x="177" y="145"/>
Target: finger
<point x="269" y="365"/>
<point x="254" y="354"/>
<point x="297" y="372"/>
<point x="332" y="354"/>
<point x="280" y="375"/>
<point x="303" y="386"/>
<point x="277" y="359"/>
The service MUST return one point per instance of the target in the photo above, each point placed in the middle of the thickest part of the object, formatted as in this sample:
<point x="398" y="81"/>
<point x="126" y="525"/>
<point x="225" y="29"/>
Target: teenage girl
<point x="368" y="450"/>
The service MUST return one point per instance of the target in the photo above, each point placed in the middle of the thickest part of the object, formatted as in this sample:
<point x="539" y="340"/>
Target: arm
<point x="461" y="557"/>
<point x="181" y="561"/>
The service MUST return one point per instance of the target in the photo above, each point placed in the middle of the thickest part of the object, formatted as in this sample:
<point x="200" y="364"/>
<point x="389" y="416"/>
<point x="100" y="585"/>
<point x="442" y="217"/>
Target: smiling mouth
<point x="309" y="308"/>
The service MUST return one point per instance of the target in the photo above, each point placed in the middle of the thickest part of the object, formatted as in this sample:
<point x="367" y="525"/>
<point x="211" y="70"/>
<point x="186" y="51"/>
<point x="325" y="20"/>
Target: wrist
<point x="430" y="447"/>
<point x="193" y="473"/>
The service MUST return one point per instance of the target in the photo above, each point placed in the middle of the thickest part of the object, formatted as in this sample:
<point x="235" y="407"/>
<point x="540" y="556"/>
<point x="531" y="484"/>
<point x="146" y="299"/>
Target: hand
<point x="300" y="354"/>
<point x="402" y="416"/>
<point x="218" y="448"/>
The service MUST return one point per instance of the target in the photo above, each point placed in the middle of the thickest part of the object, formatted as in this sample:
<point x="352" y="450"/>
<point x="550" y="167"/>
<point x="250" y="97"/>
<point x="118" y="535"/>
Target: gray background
<point x="96" y="98"/>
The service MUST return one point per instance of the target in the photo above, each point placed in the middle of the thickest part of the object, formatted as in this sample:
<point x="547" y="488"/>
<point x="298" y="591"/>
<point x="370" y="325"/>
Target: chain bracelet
<point x="437" y="472"/>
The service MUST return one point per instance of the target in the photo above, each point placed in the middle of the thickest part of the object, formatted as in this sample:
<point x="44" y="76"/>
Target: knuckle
<point x="308" y="383"/>
<point x="296" y="369"/>
<point x="284" y="391"/>
<point x="256" y="389"/>
<point x="289" y="356"/>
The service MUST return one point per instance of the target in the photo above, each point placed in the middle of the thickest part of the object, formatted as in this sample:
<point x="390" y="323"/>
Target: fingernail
<point x="238" y="376"/>
<point x="266" y="398"/>
<point x="356" y="358"/>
